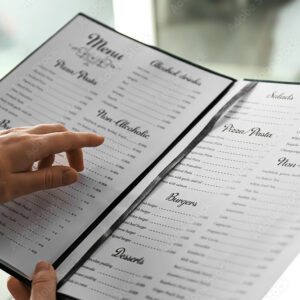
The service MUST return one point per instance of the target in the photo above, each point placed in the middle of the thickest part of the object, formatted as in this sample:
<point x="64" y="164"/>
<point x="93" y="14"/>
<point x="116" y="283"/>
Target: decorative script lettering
<point x="172" y="71"/>
<point x="121" y="253"/>
<point x="124" y="124"/>
<point x="180" y="202"/>
<point x="255" y="131"/>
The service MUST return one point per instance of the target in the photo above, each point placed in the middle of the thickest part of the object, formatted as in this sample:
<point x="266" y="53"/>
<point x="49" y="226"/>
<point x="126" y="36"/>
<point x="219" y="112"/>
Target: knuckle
<point x="52" y="178"/>
<point x="44" y="284"/>
<point x="43" y="277"/>
<point x="60" y="127"/>
<point x="17" y="137"/>
<point x="24" y="136"/>
<point x="72" y="136"/>
<point x="12" y="130"/>
<point x="40" y="126"/>
<point x="48" y="178"/>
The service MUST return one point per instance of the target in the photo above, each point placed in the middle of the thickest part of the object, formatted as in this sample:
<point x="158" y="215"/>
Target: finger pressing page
<point x="17" y="289"/>
<point x="75" y="158"/>
<point x="53" y="177"/>
<point x="46" y="162"/>
<point x="53" y="143"/>
<point x="46" y="128"/>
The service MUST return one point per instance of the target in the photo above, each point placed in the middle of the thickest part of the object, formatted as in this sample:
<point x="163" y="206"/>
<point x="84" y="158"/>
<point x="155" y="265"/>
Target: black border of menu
<point x="16" y="273"/>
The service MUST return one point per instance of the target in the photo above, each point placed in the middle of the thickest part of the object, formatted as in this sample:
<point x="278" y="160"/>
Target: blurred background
<point x="239" y="38"/>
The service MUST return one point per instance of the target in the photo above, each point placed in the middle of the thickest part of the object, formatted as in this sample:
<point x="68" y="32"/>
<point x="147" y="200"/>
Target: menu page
<point x="224" y="224"/>
<point x="91" y="78"/>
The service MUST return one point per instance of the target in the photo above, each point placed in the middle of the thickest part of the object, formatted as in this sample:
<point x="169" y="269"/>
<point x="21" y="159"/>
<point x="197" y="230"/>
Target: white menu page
<point x="91" y="78"/>
<point x="224" y="224"/>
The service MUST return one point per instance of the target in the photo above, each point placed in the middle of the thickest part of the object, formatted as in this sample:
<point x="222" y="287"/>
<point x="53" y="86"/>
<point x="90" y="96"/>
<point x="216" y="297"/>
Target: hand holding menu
<point x="92" y="79"/>
<point x="215" y="228"/>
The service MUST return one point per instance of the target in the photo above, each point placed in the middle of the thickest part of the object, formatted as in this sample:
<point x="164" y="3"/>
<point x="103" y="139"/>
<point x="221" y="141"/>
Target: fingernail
<point x="42" y="266"/>
<point x="69" y="176"/>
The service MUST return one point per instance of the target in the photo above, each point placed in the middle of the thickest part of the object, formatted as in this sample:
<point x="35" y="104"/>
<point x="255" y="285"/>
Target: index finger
<point x="53" y="143"/>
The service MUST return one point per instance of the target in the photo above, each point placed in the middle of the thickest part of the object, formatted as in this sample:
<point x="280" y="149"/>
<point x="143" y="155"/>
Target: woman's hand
<point x="43" y="284"/>
<point x="21" y="147"/>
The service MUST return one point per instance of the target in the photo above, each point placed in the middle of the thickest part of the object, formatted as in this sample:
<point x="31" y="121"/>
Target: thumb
<point x="44" y="282"/>
<point x="52" y="177"/>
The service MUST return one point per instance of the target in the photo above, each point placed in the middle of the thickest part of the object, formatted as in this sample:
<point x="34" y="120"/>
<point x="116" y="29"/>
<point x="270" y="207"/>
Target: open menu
<point x="222" y="224"/>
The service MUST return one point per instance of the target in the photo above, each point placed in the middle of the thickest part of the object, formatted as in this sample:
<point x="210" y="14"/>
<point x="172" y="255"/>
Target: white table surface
<point x="4" y="294"/>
